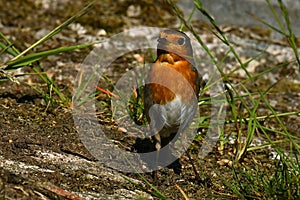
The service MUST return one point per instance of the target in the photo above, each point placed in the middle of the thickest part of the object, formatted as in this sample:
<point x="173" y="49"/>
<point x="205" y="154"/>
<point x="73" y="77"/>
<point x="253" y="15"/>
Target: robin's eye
<point x="181" y="41"/>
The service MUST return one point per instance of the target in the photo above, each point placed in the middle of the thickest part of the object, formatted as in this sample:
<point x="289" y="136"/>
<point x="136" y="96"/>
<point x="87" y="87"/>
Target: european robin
<point x="172" y="88"/>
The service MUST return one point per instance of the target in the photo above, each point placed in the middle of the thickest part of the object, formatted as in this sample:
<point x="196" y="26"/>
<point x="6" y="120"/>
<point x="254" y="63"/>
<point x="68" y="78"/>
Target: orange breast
<point x="170" y="80"/>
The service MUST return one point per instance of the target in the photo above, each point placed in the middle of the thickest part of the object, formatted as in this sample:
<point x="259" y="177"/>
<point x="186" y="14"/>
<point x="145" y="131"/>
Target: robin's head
<point x="173" y="41"/>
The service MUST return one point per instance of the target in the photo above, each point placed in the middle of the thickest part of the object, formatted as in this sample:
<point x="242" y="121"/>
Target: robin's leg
<point x="157" y="139"/>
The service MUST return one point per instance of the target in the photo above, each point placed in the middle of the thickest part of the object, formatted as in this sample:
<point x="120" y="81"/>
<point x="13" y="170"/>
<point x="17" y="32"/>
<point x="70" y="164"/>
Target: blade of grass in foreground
<point x="30" y="58"/>
<point x="21" y="60"/>
<point x="8" y="48"/>
<point x="57" y="29"/>
<point x="290" y="36"/>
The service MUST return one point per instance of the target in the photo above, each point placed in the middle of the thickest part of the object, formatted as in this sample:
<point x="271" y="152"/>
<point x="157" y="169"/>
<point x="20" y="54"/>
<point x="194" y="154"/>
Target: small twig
<point x="107" y="92"/>
<point x="198" y="178"/>
<point x="182" y="192"/>
<point x="61" y="192"/>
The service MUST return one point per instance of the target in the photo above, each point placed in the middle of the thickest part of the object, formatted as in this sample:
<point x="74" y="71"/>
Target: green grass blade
<point x="10" y="48"/>
<point x="29" y="59"/>
<point x="57" y="29"/>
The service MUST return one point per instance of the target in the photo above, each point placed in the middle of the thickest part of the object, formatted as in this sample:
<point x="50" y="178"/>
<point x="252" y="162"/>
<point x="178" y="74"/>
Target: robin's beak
<point x="162" y="40"/>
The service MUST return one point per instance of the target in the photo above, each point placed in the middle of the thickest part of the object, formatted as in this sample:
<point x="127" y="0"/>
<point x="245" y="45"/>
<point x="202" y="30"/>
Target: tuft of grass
<point x="30" y="58"/>
<point x="285" y="28"/>
<point x="260" y="182"/>
<point x="282" y="179"/>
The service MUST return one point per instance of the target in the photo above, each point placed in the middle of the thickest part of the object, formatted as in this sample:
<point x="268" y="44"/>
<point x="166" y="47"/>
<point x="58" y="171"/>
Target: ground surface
<point x="41" y="154"/>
